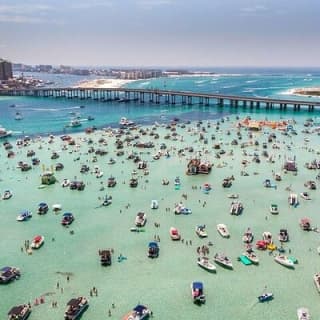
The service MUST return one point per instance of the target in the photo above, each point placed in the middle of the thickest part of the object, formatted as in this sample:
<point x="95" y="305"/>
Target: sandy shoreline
<point x="102" y="83"/>
<point x="313" y="91"/>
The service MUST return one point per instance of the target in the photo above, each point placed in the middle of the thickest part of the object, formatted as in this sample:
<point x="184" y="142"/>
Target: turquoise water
<point x="164" y="283"/>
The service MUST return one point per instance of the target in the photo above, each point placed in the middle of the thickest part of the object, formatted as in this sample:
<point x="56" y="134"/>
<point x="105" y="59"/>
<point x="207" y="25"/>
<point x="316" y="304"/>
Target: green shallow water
<point x="164" y="283"/>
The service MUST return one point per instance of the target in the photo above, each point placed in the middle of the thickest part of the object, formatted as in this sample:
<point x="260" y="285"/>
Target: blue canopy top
<point x="153" y="244"/>
<point x="197" y="285"/>
<point x="139" y="309"/>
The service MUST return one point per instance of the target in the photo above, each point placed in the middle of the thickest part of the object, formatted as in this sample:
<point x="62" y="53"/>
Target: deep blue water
<point x="50" y="115"/>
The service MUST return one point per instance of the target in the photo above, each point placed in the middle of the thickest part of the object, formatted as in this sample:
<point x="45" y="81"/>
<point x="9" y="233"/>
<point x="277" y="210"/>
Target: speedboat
<point x="24" y="215"/>
<point x="153" y="250"/>
<point x="204" y="263"/>
<point x="125" y="123"/>
<point x="174" y="234"/>
<point x="197" y="292"/>
<point x="223" y="260"/>
<point x="65" y="183"/>
<point x="316" y="279"/>
<point x="112" y="182"/>
<point x="107" y="200"/>
<point x="283" y="235"/>
<point x="201" y="231"/>
<point x="303" y="314"/>
<point x="267" y="237"/>
<point x="56" y="207"/>
<point x="141" y="219"/>
<point x="139" y="312"/>
<point x="4" y="133"/>
<point x="250" y="254"/>
<point x="223" y="230"/>
<point x="293" y="199"/>
<point x="274" y="209"/>
<point x="305" y="195"/>
<point x="67" y="218"/>
<point x="20" y="312"/>
<point x="154" y="204"/>
<point x="267" y="296"/>
<point x="75" y="308"/>
<point x="105" y="257"/>
<point x="236" y="208"/>
<point x="305" y="224"/>
<point x="247" y="236"/>
<point x="37" y="242"/>
<point x="8" y="274"/>
<point x="18" y="116"/>
<point x="43" y="208"/>
<point x="206" y="187"/>
<point x="233" y="196"/>
<point x="284" y="260"/>
<point x="75" y="123"/>
<point x="7" y="195"/>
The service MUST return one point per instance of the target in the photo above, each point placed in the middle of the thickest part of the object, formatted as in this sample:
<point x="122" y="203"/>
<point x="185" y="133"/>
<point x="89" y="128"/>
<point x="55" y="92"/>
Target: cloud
<point x="27" y="19"/>
<point x="254" y="9"/>
<point x="150" y="4"/>
<point x="24" y="9"/>
<point x="91" y="4"/>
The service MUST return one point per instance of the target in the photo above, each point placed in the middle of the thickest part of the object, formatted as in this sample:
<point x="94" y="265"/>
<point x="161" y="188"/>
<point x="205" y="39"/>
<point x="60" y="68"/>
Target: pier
<point x="156" y="96"/>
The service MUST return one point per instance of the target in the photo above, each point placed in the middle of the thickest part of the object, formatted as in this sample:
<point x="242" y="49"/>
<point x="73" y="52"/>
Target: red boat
<point x="261" y="245"/>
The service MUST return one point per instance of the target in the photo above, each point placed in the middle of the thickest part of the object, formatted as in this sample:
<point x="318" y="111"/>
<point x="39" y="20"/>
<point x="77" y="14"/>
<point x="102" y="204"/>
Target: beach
<point x="103" y="83"/>
<point x="68" y="265"/>
<point x="312" y="92"/>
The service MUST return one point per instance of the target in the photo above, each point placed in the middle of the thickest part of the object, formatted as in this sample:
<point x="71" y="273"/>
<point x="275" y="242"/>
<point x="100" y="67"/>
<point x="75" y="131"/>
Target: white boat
<point x="316" y="279"/>
<point x="247" y="236"/>
<point x="293" y="199"/>
<point x="251" y="255"/>
<point x="201" y="231"/>
<point x="154" y="204"/>
<point x="204" y="263"/>
<point x="37" y="242"/>
<point x="284" y="260"/>
<point x="303" y="314"/>
<point x="65" y="183"/>
<point x="174" y="234"/>
<point x="141" y="219"/>
<point x="24" y="215"/>
<point x="99" y="174"/>
<point x="233" y="196"/>
<point x="267" y="237"/>
<point x="223" y="230"/>
<point x="223" y="260"/>
<point x="236" y="208"/>
<point x="4" y="133"/>
<point x="125" y="123"/>
<point x="274" y="209"/>
<point x="56" y="207"/>
<point x="7" y="195"/>
<point x="75" y="123"/>
<point x="283" y="235"/>
<point x="305" y="195"/>
<point x="18" y="116"/>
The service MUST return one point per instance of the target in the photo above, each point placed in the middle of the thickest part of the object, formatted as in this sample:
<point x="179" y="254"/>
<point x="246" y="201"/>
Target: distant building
<point x="5" y="70"/>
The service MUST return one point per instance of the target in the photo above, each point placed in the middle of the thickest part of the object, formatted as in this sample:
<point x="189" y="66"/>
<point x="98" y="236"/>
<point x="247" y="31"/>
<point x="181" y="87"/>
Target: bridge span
<point x="164" y="96"/>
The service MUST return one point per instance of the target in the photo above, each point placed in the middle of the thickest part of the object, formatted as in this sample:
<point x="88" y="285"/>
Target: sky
<point x="161" y="32"/>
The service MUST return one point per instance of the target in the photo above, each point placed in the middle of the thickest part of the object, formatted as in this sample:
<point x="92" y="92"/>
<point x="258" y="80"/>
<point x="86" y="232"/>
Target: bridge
<point x="163" y="96"/>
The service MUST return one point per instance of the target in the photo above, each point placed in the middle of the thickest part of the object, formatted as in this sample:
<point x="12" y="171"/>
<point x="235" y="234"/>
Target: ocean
<point x="68" y="264"/>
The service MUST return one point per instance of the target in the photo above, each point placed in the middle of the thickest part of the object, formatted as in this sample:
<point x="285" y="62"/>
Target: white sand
<point x="103" y="83"/>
